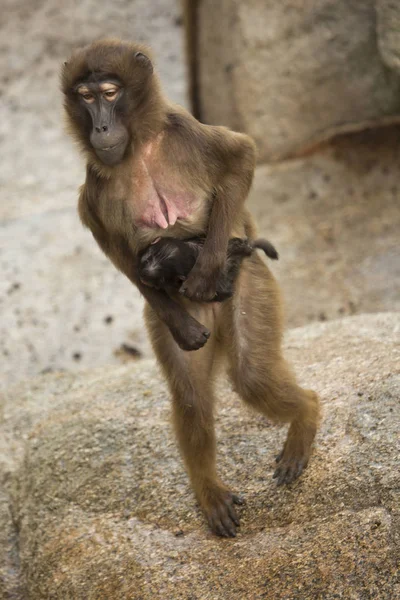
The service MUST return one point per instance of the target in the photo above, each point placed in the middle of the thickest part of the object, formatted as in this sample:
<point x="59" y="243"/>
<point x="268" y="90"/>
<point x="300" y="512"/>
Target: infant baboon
<point x="167" y="262"/>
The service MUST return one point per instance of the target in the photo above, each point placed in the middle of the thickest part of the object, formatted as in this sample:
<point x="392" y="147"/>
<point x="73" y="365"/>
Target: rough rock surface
<point x="294" y="73"/>
<point x="95" y="502"/>
<point x="335" y="220"/>
<point x="388" y="29"/>
<point x="62" y="304"/>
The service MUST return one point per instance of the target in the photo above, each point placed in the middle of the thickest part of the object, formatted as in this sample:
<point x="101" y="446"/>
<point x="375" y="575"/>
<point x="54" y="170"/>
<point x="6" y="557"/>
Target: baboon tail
<point x="268" y="248"/>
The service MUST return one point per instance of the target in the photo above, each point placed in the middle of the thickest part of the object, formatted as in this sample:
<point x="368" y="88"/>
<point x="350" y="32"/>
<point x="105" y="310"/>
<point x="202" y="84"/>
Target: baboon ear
<point x="144" y="60"/>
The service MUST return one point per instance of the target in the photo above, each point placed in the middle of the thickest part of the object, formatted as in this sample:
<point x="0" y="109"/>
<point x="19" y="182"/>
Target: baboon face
<point x="106" y="89"/>
<point x="101" y="99"/>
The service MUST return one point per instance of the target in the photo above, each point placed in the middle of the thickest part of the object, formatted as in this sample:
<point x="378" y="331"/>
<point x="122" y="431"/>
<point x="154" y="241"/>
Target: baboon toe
<point x="295" y="454"/>
<point x="222" y="516"/>
<point x="291" y="462"/>
<point x="289" y="470"/>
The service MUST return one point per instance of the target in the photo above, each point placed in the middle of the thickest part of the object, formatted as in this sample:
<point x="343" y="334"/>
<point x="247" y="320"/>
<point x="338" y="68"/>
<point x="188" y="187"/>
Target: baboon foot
<point x="219" y="509"/>
<point x="293" y="459"/>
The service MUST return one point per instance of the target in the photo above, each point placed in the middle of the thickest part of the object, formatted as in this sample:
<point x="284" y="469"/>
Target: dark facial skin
<point x="109" y="137"/>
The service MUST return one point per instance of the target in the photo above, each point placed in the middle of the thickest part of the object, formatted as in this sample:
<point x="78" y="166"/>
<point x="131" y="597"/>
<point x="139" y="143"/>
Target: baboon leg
<point x="190" y="379"/>
<point x="260" y="374"/>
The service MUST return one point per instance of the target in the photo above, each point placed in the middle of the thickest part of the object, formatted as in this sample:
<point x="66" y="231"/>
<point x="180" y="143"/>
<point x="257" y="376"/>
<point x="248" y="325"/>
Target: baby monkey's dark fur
<point x="166" y="263"/>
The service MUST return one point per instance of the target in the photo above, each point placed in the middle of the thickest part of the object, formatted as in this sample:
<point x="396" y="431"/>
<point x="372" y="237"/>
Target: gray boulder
<point x="95" y="502"/>
<point x="293" y="74"/>
<point x="63" y="304"/>
<point x="388" y="29"/>
<point x="335" y="220"/>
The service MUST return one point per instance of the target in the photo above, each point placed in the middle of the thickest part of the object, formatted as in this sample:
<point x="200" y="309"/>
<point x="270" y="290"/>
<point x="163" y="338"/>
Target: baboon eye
<point x="89" y="98"/>
<point x="110" y="94"/>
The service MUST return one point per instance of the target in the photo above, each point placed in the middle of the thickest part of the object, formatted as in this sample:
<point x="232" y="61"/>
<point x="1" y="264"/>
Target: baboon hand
<point x="239" y="246"/>
<point x="201" y="284"/>
<point x="190" y="335"/>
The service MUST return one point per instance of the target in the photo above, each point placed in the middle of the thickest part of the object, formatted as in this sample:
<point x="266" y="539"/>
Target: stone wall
<point x="320" y="80"/>
<point x="292" y="74"/>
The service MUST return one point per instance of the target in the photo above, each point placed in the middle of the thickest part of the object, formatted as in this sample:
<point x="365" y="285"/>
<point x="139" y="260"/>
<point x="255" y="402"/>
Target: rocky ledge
<point x="95" y="504"/>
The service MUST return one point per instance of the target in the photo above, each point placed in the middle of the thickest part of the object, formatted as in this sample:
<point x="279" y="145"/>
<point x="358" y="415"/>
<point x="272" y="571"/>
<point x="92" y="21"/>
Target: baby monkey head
<point x="165" y="263"/>
<point x="107" y="88"/>
<point x="151" y="268"/>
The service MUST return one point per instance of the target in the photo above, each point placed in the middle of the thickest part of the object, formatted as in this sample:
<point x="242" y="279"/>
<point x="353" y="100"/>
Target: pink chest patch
<point x="159" y="199"/>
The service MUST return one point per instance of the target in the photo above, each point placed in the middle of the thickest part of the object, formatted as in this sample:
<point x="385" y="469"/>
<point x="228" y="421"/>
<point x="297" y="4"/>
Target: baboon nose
<point x="102" y="128"/>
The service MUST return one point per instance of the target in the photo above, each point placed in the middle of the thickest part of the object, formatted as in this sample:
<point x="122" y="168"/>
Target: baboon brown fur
<point x="153" y="170"/>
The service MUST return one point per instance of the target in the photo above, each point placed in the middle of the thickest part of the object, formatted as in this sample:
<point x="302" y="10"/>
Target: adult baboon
<point x="153" y="170"/>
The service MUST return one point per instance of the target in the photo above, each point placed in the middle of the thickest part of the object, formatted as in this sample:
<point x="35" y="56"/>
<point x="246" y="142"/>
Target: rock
<point x="101" y="506"/>
<point x="292" y="75"/>
<point x="63" y="304"/>
<point x="388" y="29"/>
<point x="334" y="218"/>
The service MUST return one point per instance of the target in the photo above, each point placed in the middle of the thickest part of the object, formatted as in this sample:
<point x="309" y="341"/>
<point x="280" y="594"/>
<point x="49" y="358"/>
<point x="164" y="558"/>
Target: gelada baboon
<point x="167" y="262"/>
<point x="153" y="170"/>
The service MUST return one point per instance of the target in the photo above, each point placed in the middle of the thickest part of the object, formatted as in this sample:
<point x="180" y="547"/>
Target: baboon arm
<point x="230" y="195"/>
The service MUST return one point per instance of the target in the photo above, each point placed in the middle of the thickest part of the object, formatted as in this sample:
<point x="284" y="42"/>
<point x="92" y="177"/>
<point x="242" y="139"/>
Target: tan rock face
<point x="101" y="506"/>
<point x="388" y="28"/>
<point x="335" y="220"/>
<point x="294" y="73"/>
